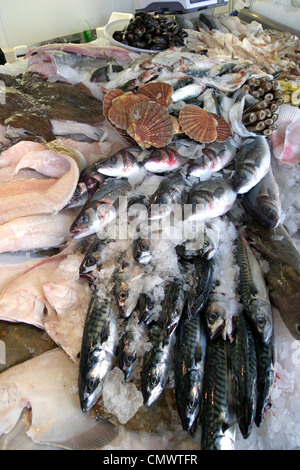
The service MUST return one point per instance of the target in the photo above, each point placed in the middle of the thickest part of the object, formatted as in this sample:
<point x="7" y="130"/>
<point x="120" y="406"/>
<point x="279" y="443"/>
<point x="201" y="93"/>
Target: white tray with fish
<point x="99" y="215"/>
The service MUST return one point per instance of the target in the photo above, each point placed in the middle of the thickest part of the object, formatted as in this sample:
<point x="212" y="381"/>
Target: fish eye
<point x="130" y="359"/>
<point x="261" y="322"/>
<point x="123" y="296"/>
<point x="90" y="261"/>
<point x="298" y="327"/>
<point x="212" y="316"/>
<point x="84" y="219"/>
<point x="92" y="383"/>
<point x="154" y="381"/>
<point x="192" y="403"/>
<point x="77" y="191"/>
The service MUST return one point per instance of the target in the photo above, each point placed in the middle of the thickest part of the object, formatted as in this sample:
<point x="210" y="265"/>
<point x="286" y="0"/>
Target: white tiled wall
<point x="32" y="21"/>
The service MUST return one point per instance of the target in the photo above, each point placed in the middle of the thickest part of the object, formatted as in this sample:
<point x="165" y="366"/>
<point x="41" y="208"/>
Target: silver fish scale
<point x="215" y="411"/>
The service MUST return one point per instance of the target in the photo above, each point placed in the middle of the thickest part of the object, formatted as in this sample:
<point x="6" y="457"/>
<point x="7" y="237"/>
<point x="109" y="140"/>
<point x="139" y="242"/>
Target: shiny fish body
<point x="100" y="208"/>
<point x="215" y="157"/>
<point x="146" y="306"/>
<point x="283" y="277"/>
<point x="244" y="374"/>
<point x="156" y="365"/>
<point x="252" y="164"/>
<point x="265" y="377"/>
<point x="210" y="199"/>
<point x="172" y="305"/>
<point x="97" y="351"/>
<point x="189" y="361"/>
<point x="129" y="354"/>
<point x="142" y="250"/>
<point x="219" y="317"/>
<point x="201" y="284"/>
<point x="263" y="201"/>
<point x="164" y="159"/>
<point x="253" y="291"/>
<point x="217" y="430"/>
<point x="89" y="181"/>
<point x="122" y="164"/>
<point x="193" y="90"/>
<point x="170" y="192"/>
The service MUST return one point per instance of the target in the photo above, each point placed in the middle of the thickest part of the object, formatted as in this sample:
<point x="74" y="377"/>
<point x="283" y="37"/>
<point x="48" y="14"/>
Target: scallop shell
<point x="223" y="128"/>
<point x="119" y="113"/>
<point x="108" y="100"/>
<point x="198" y="123"/>
<point x="151" y="125"/>
<point x="157" y="91"/>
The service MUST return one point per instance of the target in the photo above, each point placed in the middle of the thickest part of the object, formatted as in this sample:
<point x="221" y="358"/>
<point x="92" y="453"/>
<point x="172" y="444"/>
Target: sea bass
<point x="215" y="157"/>
<point x="170" y="193"/>
<point x="97" y="351"/>
<point x="163" y="160"/>
<point x="211" y="198"/>
<point x="283" y="277"/>
<point x="123" y="163"/>
<point x="253" y="290"/>
<point x="252" y="164"/>
<point x="189" y="360"/>
<point x="100" y="208"/>
<point x="263" y="201"/>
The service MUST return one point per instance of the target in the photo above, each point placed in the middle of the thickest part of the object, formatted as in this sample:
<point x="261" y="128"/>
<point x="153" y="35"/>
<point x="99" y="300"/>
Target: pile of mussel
<point x="155" y="32"/>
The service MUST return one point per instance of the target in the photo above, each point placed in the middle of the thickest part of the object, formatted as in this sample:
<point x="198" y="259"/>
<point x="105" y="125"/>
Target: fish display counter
<point x="149" y="240"/>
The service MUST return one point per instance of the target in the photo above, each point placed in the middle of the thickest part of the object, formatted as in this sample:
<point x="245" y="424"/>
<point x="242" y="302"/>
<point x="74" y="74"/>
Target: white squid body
<point x="48" y="385"/>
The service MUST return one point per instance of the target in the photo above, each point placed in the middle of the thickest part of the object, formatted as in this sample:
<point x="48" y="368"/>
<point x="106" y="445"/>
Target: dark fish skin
<point x="142" y="251"/>
<point x="263" y="201"/>
<point x="146" y="306"/>
<point x="283" y="277"/>
<point x="97" y="351"/>
<point x="201" y="285"/>
<point x="172" y="305"/>
<point x="156" y="365"/>
<point x="253" y="290"/>
<point x="189" y="361"/>
<point x="216" y="413"/>
<point x="244" y="374"/>
<point x="265" y="377"/>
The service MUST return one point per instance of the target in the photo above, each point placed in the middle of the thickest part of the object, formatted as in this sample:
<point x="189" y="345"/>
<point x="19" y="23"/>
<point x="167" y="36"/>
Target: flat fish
<point x="61" y="423"/>
<point x="98" y="350"/>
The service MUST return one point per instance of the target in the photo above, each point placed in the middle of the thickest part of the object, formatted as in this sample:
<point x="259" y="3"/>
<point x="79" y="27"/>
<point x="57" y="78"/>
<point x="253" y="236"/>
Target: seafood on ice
<point x="163" y="197"/>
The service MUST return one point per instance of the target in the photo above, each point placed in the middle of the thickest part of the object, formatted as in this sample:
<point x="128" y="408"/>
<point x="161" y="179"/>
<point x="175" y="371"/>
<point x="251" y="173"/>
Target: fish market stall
<point x="149" y="239"/>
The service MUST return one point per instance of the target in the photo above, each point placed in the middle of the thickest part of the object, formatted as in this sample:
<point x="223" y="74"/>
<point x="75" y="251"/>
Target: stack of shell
<point x="260" y="117"/>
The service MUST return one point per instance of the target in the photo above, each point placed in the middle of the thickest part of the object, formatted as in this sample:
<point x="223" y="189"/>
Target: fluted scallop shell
<point x="198" y="123"/>
<point x="108" y="100"/>
<point x="119" y="113"/>
<point x="223" y="128"/>
<point x="157" y="91"/>
<point x="151" y="125"/>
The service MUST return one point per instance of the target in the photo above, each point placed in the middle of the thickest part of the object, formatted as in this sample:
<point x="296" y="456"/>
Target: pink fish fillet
<point x="285" y="140"/>
<point x="13" y="154"/>
<point x="47" y="384"/>
<point x="38" y="196"/>
<point x="36" y="232"/>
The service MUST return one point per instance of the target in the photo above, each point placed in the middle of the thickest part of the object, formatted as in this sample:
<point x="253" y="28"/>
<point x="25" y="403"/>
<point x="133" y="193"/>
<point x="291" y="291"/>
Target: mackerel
<point x="244" y="374"/>
<point x="189" y="361"/>
<point x="253" y="291"/>
<point x="97" y="351"/>
<point x="217" y="417"/>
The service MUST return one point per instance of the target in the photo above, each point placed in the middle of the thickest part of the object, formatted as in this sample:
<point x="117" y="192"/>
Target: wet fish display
<point x="152" y="180"/>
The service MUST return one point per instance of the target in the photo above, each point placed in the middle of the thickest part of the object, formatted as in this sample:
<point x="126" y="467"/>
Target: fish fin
<point x="256" y="242"/>
<point x="95" y="438"/>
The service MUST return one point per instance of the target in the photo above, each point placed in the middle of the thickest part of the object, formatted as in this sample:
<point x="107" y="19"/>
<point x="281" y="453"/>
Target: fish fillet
<point x="13" y="154"/>
<point x="48" y="385"/>
<point x="36" y="232"/>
